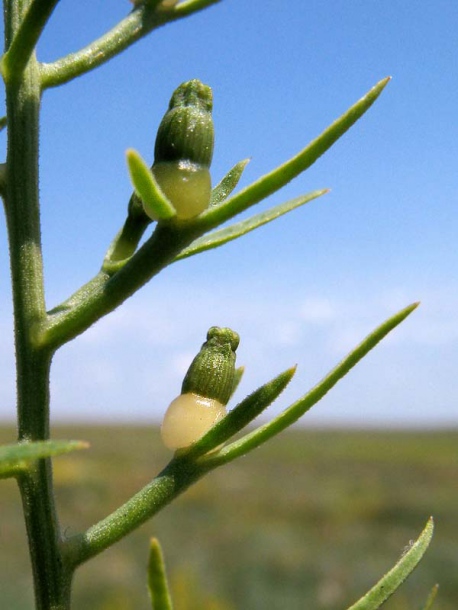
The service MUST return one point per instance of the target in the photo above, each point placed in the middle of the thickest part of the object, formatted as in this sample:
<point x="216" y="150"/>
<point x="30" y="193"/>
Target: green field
<point x="309" y="521"/>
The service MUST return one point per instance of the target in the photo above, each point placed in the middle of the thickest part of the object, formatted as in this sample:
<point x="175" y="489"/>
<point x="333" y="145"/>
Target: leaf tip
<point x="413" y="306"/>
<point x="131" y="154"/>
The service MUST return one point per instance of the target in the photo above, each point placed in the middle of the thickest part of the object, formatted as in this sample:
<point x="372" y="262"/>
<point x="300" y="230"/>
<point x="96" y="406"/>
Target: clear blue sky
<point x="305" y="289"/>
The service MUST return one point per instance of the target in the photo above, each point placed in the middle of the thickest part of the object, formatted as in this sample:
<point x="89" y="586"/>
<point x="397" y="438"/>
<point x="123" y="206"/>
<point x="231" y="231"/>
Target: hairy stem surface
<point x="22" y="211"/>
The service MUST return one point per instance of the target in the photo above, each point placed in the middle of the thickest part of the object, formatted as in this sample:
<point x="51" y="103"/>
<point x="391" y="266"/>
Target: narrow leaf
<point x="228" y="183"/>
<point x="187" y="7"/>
<point x="3" y="122"/>
<point x="222" y="236"/>
<point x="16" y="457"/>
<point x="431" y="597"/>
<point x="157" y="578"/>
<point x="241" y="415"/>
<point x="272" y="182"/>
<point x="295" y="411"/>
<point x="397" y="575"/>
<point x="155" y="202"/>
<point x="238" y="374"/>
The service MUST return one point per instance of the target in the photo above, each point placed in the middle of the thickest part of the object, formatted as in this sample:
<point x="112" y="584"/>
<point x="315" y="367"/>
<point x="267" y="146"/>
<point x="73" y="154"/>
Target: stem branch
<point x="105" y="292"/>
<point x="136" y="25"/>
<point x="171" y="482"/>
<point x="26" y="38"/>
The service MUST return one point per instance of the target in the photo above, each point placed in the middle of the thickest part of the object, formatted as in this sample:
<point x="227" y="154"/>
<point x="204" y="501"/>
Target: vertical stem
<point x="51" y="581"/>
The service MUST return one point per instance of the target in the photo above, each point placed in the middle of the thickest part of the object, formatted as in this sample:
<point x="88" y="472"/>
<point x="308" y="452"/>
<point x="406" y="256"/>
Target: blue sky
<point x="305" y="289"/>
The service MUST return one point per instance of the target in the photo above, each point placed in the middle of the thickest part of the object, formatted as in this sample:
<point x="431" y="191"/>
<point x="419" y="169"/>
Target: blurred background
<point x="315" y="518"/>
<point x="310" y="520"/>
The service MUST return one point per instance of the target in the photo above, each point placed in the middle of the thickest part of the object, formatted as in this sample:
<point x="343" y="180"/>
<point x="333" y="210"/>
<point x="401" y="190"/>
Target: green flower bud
<point x="212" y="371"/>
<point x="184" y="149"/>
<point x="206" y="390"/>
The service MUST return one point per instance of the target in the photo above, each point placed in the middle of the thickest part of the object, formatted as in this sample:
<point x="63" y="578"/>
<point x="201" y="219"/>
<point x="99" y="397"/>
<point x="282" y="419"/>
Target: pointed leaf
<point x="222" y="236"/>
<point x="16" y="457"/>
<point x="269" y="183"/>
<point x="241" y="415"/>
<point x="431" y="597"/>
<point x="155" y="202"/>
<point x="228" y="183"/>
<point x="397" y="575"/>
<point x="295" y="411"/>
<point x="157" y="578"/>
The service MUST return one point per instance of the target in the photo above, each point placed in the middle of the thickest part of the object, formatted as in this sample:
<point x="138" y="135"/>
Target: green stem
<point x="26" y="37"/>
<point x="136" y="25"/>
<point x="170" y="483"/>
<point x="22" y="210"/>
<point x="105" y="292"/>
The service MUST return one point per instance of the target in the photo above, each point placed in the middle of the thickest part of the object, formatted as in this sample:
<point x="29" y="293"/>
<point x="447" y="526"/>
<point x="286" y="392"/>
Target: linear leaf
<point x="146" y="187"/>
<point x="157" y="578"/>
<point x="238" y="374"/>
<point x="223" y="236"/>
<point x="431" y="598"/>
<point x="225" y="187"/>
<point x="14" y="458"/>
<point x="296" y="410"/>
<point x="241" y="415"/>
<point x="397" y="575"/>
<point x="276" y="179"/>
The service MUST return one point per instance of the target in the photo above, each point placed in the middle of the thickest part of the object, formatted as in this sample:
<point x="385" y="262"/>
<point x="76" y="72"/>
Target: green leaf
<point x="241" y="415"/>
<point x="397" y="575"/>
<point x="295" y="411"/>
<point x="155" y="202"/>
<point x="187" y="7"/>
<point x="3" y="122"/>
<point x="157" y="578"/>
<point x="431" y="597"/>
<point x="228" y="183"/>
<point x="222" y="236"/>
<point x="272" y="182"/>
<point x="15" y="458"/>
<point x="238" y="374"/>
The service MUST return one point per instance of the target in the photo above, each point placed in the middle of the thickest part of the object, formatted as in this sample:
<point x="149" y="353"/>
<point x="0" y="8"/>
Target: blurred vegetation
<point x="311" y="520"/>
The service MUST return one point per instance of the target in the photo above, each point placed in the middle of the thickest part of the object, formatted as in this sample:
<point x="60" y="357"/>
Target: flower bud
<point x="206" y="390"/>
<point x="212" y="371"/>
<point x="184" y="149"/>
